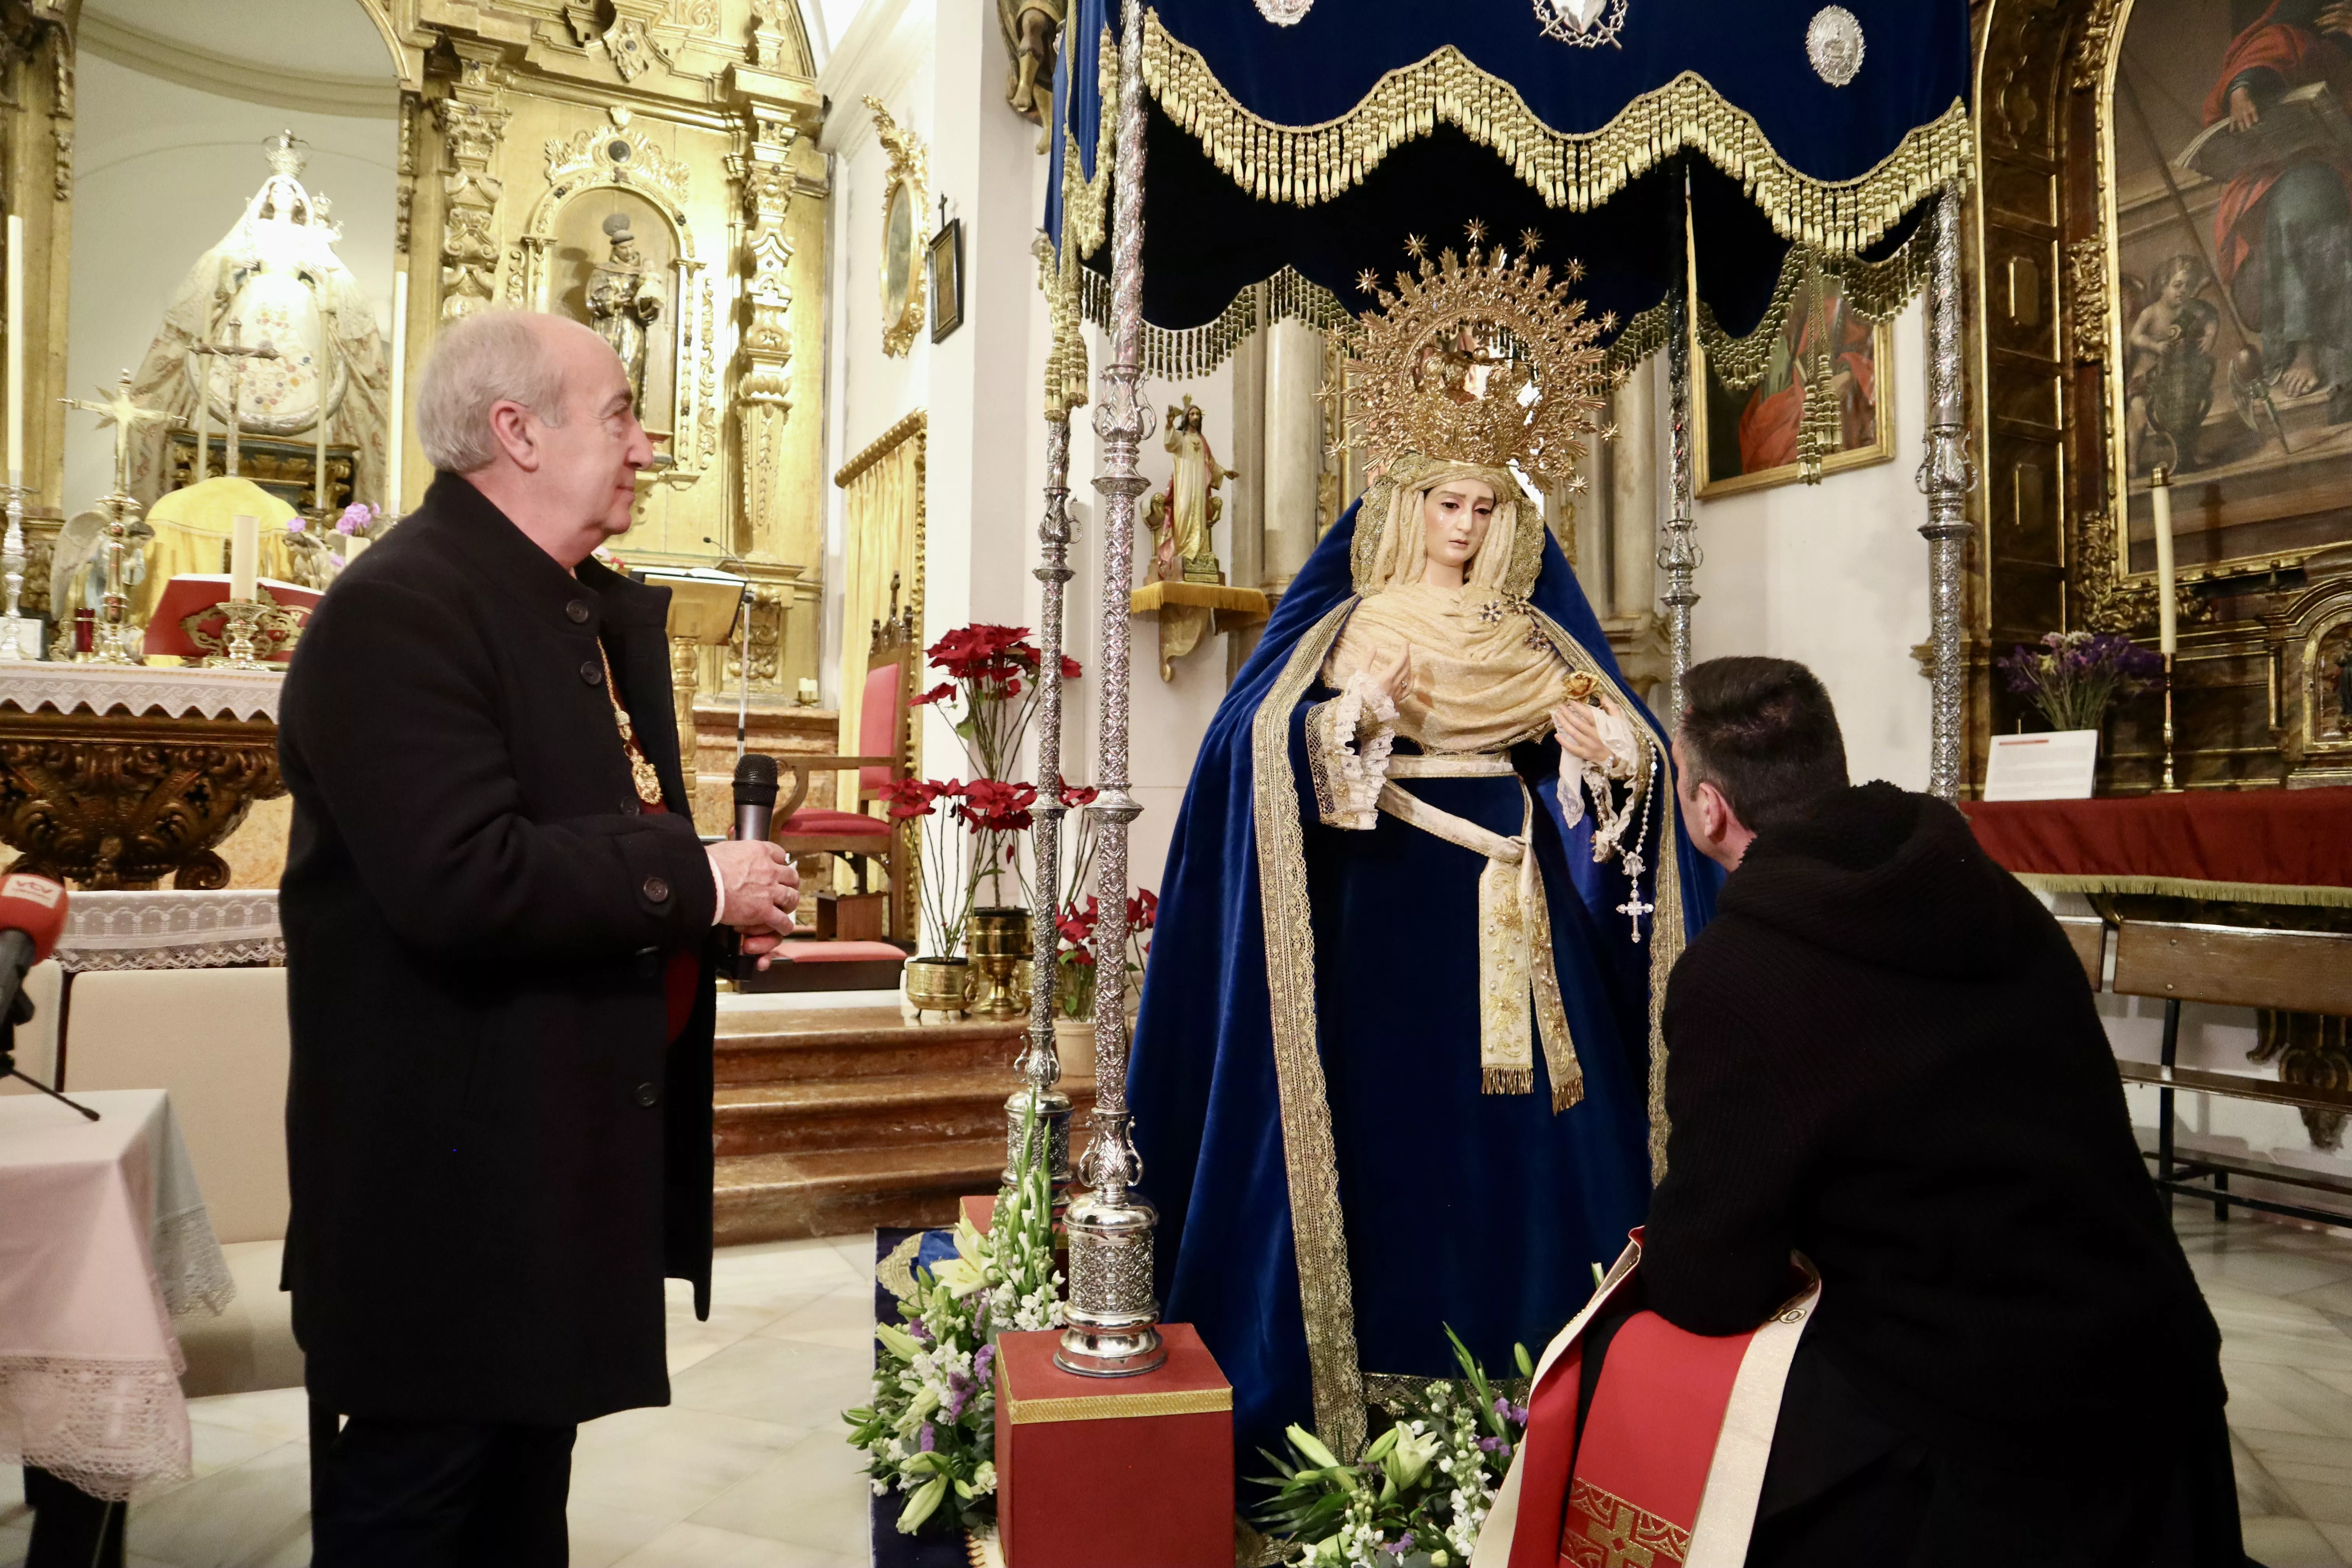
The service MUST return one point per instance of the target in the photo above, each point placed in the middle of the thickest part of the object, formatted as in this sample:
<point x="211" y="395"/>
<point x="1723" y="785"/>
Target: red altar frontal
<point x="1135" y="1471"/>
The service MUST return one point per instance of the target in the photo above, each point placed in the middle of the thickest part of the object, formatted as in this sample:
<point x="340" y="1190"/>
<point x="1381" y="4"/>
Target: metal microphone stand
<point x="21" y="1012"/>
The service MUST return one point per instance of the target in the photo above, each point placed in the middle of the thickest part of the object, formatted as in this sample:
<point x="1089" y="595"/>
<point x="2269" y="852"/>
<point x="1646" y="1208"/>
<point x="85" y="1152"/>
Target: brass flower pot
<point x="940" y="984"/>
<point x="998" y="939"/>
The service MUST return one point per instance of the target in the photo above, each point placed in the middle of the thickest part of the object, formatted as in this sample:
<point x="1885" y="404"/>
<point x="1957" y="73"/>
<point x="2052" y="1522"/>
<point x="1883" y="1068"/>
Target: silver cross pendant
<point x="1633" y="909"/>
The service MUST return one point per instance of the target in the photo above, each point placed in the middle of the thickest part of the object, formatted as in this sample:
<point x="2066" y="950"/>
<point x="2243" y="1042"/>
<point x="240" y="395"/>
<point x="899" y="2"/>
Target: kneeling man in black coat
<point x="499" y="924"/>
<point x="1882" y="1055"/>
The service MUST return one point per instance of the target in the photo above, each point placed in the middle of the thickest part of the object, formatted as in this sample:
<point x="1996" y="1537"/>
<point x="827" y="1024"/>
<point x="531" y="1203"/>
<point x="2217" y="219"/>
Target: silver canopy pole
<point x="1946" y="475"/>
<point x="1038" y="1104"/>
<point x="1112" y="1314"/>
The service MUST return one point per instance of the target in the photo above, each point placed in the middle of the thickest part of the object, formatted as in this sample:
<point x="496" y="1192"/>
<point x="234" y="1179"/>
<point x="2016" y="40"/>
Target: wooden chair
<point x="885" y="750"/>
<point x="2290" y="971"/>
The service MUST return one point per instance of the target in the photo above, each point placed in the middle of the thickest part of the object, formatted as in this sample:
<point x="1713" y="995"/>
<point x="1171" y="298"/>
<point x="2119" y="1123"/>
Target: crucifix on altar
<point x="121" y="411"/>
<point x="237" y="354"/>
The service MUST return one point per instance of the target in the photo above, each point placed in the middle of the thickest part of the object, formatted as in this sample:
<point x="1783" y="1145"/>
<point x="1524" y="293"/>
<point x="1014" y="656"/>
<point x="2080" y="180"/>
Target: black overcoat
<point x="495" y="1153"/>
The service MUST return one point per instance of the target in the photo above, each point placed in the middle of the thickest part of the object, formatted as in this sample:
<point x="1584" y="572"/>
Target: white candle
<point x="2160" y="501"/>
<point x="394" y="435"/>
<point x="352" y="544"/>
<point x="244" y="557"/>
<point x="318" y="469"/>
<point x="15" y="349"/>
<point x="204" y="404"/>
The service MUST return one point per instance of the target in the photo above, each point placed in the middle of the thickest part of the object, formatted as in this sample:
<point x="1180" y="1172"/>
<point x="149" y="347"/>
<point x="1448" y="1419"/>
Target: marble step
<point x="870" y="1111"/>
<point x="838" y="1192"/>
<point x="797" y="1045"/>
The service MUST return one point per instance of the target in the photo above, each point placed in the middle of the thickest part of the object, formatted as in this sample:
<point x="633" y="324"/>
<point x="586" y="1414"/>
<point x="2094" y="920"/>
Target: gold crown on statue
<point x="1481" y="358"/>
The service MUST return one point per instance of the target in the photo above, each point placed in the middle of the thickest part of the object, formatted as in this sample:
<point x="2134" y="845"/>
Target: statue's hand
<point x="1392" y="672"/>
<point x="1580" y="730"/>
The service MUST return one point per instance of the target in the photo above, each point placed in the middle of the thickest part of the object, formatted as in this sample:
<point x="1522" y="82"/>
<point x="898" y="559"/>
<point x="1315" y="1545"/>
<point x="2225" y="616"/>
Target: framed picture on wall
<point x="947" y="279"/>
<point x="2230" y="251"/>
<point x="1746" y="438"/>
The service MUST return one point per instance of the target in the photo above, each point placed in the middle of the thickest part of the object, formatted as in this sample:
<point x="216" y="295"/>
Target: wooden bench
<point x="2289" y="971"/>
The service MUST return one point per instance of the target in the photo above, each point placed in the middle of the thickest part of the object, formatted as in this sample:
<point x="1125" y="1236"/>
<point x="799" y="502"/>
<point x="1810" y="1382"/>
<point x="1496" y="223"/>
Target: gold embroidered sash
<point x="1515" y="958"/>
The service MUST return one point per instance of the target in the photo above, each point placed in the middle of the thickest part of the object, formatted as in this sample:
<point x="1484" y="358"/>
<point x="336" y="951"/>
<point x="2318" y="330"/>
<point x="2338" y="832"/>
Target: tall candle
<point x="394" y="435"/>
<point x="2160" y="501"/>
<point x="353" y="543"/>
<point x="244" y="557"/>
<point x="15" y="349"/>
<point x="325" y="328"/>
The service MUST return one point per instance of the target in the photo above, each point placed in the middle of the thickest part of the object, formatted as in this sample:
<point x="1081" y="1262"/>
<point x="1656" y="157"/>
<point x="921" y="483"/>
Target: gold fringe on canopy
<point x="1309" y="164"/>
<point x="1876" y="290"/>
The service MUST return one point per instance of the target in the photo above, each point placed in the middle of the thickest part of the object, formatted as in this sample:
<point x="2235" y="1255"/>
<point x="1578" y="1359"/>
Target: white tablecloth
<point x="103" y="1241"/>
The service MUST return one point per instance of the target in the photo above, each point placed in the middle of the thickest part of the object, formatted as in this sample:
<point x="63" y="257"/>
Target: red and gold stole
<point x="1672" y="1457"/>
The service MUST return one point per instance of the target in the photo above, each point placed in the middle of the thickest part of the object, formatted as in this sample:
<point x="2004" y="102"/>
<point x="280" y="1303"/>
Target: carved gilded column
<point x="764" y="382"/>
<point x="473" y="124"/>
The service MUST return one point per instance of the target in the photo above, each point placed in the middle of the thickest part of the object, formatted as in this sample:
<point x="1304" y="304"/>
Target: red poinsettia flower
<point x="990" y="806"/>
<point x="1070" y="668"/>
<point x="939" y="693"/>
<point x="1077" y="927"/>
<point x="1142" y="910"/>
<point x="1076" y="795"/>
<point x="917" y="797"/>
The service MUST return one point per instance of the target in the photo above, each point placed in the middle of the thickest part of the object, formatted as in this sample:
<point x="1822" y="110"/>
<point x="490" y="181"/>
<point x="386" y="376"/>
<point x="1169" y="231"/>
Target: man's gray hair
<point x="479" y="362"/>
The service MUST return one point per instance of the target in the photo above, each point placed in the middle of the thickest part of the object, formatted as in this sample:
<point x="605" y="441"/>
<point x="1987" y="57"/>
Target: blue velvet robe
<point x="1482" y="1212"/>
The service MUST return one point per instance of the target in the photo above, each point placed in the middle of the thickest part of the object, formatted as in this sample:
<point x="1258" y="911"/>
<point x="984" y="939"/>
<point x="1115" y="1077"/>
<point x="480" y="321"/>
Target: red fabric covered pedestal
<point x="1131" y="1472"/>
<point x="2277" y="844"/>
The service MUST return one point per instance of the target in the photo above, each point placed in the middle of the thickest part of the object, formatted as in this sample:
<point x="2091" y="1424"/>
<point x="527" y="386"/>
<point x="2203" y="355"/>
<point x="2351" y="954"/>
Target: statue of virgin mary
<point x="1397" y="1068"/>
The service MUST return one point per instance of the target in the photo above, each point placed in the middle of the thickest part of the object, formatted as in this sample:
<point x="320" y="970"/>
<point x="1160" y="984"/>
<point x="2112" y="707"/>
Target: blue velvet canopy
<point x="1320" y="147"/>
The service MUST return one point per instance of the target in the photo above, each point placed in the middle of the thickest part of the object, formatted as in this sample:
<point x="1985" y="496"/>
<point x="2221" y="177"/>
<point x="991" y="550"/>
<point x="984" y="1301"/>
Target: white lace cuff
<point x="1349" y="740"/>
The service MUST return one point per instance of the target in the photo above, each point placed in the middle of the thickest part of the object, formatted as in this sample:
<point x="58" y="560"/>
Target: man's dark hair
<point x="1762" y="732"/>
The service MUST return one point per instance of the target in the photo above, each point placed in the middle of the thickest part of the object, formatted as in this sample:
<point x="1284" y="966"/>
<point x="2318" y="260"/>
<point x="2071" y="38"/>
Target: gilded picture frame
<point x="947" y="279"/>
<point x="2203" y="370"/>
<point x="1744" y="438"/>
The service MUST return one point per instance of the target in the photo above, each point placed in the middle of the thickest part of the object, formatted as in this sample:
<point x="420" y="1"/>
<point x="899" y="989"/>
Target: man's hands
<point x="1580" y="731"/>
<point x="1392" y="672"/>
<point x="2244" y="115"/>
<point x="761" y="890"/>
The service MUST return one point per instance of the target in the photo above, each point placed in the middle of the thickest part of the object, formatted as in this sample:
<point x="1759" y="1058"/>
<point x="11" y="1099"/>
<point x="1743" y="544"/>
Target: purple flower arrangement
<point x="2074" y="677"/>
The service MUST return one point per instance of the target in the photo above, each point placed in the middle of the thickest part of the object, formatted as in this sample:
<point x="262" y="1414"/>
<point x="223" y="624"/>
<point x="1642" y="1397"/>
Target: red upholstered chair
<point x="884" y="755"/>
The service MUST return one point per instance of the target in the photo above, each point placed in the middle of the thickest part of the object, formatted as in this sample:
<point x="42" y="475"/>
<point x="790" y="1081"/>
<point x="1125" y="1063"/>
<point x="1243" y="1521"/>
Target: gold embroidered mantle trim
<point x="1310" y="1158"/>
<point x="1309" y="164"/>
<point x="1310" y="1154"/>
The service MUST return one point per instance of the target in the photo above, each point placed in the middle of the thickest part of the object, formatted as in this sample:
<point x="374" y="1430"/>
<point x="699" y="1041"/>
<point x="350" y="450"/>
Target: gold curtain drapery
<point x="882" y="542"/>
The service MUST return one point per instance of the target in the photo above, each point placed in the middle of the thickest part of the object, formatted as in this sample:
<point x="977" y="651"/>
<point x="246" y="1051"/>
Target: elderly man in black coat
<point x="499" y="928"/>
<point x="1881" y="1054"/>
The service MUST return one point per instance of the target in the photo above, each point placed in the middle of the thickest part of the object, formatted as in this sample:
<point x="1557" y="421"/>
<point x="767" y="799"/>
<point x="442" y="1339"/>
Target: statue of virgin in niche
<point x="1396" y="1071"/>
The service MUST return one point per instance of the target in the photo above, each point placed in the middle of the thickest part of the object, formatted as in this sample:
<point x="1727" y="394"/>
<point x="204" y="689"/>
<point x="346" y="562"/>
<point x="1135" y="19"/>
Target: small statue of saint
<point x="1181" y="515"/>
<point x="624" y="300"/>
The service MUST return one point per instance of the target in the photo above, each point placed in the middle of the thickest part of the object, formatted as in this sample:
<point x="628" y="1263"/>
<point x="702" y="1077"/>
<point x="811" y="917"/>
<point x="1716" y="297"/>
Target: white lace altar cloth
<point x="136" y="688"/>
<point x="167" y="927"/>
<point x="103" y="1241"/>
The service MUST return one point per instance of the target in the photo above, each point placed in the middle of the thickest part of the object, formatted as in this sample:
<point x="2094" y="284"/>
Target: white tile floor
<point x="747" y="1467"/>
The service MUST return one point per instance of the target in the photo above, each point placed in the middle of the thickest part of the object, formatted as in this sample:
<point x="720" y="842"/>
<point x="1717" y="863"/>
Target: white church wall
<point x="161" y="170"/>
<point x="1835" y="575"/>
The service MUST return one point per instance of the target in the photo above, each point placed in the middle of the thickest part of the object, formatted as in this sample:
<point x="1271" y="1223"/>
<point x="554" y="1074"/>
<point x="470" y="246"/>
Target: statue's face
<point x="1456" y="515"/>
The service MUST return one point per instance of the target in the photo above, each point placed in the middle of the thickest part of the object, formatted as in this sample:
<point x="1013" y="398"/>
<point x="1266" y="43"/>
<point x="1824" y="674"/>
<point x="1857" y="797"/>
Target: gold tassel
<point x="1507" y="1080"/>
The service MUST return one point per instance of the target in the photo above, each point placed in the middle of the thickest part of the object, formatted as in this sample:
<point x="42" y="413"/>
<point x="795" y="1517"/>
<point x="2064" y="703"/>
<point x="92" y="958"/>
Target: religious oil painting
<point x="2232" y="366"/>
<point x="1750" y="438"/>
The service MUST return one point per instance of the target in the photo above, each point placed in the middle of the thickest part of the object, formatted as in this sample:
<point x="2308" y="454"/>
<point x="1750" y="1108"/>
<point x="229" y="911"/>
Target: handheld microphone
<point x="32" y="918"/>
<point x="755" y="795"/>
